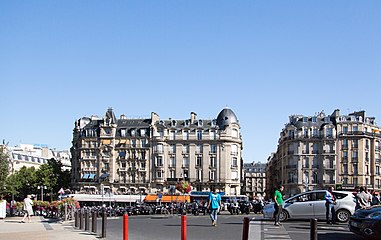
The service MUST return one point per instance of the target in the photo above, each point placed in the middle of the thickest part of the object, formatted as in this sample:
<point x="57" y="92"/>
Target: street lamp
<point x="42" y="187"/>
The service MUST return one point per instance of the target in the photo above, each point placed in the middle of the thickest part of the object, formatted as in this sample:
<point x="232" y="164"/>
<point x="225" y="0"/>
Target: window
<point x="234" y="162"/>
<point x="144" y="142"/>
<point x="355" y="181"/>
<point x="185" y="149"/>
<point x="198" y="161"/>
<point x="185" y="135"/>
<point x="212" y="175"/>
<point x="212" y="135"/>
<point x="355" y="128"/>
<point x="305" y="119"/>
<point x="199" y="148"/>
<point x="159" y="161"/>
<point x="123" y="132"/>
<point x="172" y="173"/>
<point x="172" y="162"/>
<point x="212" y="161"/>
<point x="345" y="129"/>
<point x="345" y="143"/>
<point x="199" y="134"/>
<point x="306" y="133"/>
<point x="345" y="168"/>
<point x="186" y="162"/>
<point x="315" y="177"/>
<point x="355" y="143"/>
<point x="159" y="174"/>
<point x="315" y="132"/>
<point x="329" y="132"/>
<point x="159" y="148"/>
<point x="133" y="132"/>
<point x="172" y="135"/>
<point x="377" y="170"/>
<point x="355" y="169"/>
<point x="213" y="148"/>
<point x="198" y="174"/>
<point x="133" y="143"/>
<point x="306" y="162"/>
<point x="314" y="119"/>
<point x="142" y="132"/>
<point x="172" y="148"/>
<point x="160" y="131"/>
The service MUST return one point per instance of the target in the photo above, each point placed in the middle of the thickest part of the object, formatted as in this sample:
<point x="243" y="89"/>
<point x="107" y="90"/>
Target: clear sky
<point x="266" y="60"/>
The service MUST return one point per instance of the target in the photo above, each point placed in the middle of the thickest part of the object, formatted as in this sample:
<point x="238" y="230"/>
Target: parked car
<point x="367" y="222"/>
<point x="312" y="205"/>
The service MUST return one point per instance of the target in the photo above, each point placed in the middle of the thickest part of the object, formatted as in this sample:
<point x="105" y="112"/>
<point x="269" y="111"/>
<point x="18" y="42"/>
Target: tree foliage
<point x="4" y="166"/>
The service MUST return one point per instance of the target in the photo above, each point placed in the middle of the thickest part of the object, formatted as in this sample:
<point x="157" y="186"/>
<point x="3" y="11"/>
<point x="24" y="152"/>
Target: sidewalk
<point x="41" y="229"/>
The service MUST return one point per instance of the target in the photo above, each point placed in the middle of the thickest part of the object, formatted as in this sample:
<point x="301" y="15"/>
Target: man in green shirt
<point x="278" y="202"/>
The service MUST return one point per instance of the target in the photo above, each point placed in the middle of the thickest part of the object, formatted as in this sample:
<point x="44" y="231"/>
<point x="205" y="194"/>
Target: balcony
<point x="122" y="169"/>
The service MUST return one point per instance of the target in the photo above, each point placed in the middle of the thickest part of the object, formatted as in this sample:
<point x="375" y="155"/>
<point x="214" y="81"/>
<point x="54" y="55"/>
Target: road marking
<point x="265" y="231"/>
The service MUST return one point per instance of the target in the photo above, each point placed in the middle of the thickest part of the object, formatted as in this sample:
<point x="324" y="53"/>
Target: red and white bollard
<point x="125" y="227"/>
<point x="183" y="227"/>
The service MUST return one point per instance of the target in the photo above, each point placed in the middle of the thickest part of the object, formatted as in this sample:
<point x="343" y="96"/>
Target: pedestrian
<point x="214" y="206"/>
<point x="330" y="202"/>
<point x="278" y="202"/>
<point x="376" y="199"/>
<point x="28" y="209"/>
<point x="362" y="199"/>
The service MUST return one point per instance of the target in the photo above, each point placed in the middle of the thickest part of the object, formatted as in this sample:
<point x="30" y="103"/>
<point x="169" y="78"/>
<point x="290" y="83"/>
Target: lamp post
<point x="42" y="187"/>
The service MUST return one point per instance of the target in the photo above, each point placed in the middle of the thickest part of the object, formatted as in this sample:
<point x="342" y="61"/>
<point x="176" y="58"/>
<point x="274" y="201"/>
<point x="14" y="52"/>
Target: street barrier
<point x="313" y="233"/>
<point x="87" y="220"/>
<point x="125" y="227"/>
<point x="104" y="223"/>
<point x="245" y="228"/>
<point x="183" y="227"/>
<point x="81" y="225"/>
<point x="94" y="222"/>
<point x="76" y="220"/>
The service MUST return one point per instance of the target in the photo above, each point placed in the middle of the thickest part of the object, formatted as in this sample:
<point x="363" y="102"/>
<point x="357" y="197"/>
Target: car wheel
<point x="283" y="216"/>
<point x="343" y="215"/>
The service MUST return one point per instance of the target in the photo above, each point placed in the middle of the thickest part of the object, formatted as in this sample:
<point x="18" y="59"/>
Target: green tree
<point x="24" y="182"/>
<point x="4" y="166"/>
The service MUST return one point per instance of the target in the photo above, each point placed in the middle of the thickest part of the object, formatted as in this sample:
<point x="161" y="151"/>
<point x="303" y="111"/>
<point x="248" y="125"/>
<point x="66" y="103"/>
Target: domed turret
<point x="226" y="117"/>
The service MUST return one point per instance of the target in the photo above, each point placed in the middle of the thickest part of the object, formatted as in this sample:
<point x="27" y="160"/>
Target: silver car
<point x="312" y="205"/>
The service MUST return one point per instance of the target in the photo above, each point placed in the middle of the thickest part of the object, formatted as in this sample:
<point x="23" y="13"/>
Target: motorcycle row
<point x="193" y="208"/>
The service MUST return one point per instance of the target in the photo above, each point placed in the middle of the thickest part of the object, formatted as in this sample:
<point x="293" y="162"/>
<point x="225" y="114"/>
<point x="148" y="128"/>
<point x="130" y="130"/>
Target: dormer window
<point x="305" y="119"/>
<point x="187" y="122"/>
<point x="133" y="132"/>
<point x="200" y="122"/>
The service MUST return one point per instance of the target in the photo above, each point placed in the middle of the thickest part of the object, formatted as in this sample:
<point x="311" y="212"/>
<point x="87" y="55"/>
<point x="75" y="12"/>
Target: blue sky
<point x="266" y="60"/>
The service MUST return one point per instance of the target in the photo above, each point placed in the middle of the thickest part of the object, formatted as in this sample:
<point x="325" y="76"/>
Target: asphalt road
<point x="229" y="227"/>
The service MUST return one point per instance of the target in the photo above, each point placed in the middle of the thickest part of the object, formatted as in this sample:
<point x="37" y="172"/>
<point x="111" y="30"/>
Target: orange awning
<point x="167" y="198"/>
<point x="175" y="198"/>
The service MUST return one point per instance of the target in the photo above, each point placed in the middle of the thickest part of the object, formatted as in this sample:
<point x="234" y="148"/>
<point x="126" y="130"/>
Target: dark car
<point x="367" y="222"/>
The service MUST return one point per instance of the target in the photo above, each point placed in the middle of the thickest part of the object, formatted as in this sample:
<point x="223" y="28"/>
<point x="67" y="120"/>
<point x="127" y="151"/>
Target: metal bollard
<point x="76" y="219"/>
<point x="245" y="229"/>
<point x="125" y="227"/>
<point x="87" y="220"/>
<point x="183" y="227"/>
<point x="104" y="223"/>
<point x="94" y="222"/>
<point x="81" y="219"/>
<point x="313" y="233"/>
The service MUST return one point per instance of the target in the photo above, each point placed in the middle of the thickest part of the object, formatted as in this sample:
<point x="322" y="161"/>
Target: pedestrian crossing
<point x="265" y="230"/>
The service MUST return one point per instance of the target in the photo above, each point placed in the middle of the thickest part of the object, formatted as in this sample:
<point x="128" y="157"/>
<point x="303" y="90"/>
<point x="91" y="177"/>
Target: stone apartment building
<point x="254" y="179"/>
<point x="151" y="155"/>
<point x="315" y="152"/>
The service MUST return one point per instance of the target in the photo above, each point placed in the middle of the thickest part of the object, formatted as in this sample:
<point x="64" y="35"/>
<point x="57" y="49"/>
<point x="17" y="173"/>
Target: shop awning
<point x="85" y="176"/>
<point x="167" y="198"/>
<point x="91" y="176"/>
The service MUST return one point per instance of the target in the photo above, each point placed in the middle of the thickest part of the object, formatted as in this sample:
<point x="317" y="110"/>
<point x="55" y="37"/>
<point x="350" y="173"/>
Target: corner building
<point x="315" y="152"/>
<point x="152" y="155"/>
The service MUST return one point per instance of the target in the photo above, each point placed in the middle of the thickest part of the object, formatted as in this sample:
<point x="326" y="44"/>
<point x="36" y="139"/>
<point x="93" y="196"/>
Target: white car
<point x="312" y="205"/>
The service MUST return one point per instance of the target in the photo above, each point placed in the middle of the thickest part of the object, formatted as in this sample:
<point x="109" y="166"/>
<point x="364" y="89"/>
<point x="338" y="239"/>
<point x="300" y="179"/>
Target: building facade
<point x="152" y="155"/>
<point x="315" y="152"/>
<point x="254" y="179"/>
<point x="34" y="155"/>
